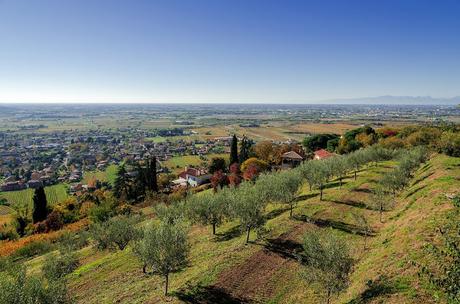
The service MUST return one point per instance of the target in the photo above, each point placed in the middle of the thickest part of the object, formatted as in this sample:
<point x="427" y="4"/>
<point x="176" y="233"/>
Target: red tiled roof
<point x="192" y="172"/>
<point x="323" y="154"/>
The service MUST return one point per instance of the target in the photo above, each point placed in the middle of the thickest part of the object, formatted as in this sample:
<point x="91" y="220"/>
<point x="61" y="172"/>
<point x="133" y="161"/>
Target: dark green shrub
<point x="33" y="249"/>
<point x="57" y="266"/>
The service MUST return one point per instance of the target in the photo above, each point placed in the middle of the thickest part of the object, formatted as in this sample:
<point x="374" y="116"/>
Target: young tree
<point x="234" y="150"/>
<point x="40" y="211"/>
<point x="381" y="202"/>
<point x="355" y="161"/>
<point x="121" y="187"/>
<point x="340" y="168"/>
<point x="320" y="176"/>
<point x="363" y="224"/>
<point x="249" y="208"/>
<point x="328" y="261"/>
<point x="164" y="248"/>
<point x="307" y="171"/>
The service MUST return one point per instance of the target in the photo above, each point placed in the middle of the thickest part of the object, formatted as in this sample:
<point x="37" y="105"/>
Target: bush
<point x="17" y="287"/>
<point x="54" y="221"/>
<point x="8" y="233"/>
<point x="101" y="213"/>
<point x="59" y="265"/>
<point x="33" y="249"/>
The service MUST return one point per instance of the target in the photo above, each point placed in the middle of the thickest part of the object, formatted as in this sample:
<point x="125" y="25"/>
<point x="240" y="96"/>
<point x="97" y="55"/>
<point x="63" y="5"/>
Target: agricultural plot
<point x="6" y="214"/>
<point x="108" y="175"/>
<point x="54" y="194"/>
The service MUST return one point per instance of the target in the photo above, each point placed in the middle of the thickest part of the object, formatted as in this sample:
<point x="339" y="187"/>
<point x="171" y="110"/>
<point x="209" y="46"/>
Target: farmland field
<point x="108" y="175"/>
<point x="54" y="194"/>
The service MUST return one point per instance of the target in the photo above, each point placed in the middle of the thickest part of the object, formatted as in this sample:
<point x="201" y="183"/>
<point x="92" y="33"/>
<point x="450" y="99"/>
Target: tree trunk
<point x="166" y="284"/>
<point x="321" y="192"/>
<point x="247" y="237"/>
<point x="309" y="186"/>
<point x="290" y="214"/>
<point x="328" y="296"/>
<point x="381" y="213"/>
<point x="355" y="173"/>
<point x="144" y="268"/>
<point x="340" y="185"/>
<point x="214" y="228"/>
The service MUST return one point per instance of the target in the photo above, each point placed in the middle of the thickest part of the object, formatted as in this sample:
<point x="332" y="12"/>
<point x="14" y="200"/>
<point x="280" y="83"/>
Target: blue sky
<point x="226" y="51"/>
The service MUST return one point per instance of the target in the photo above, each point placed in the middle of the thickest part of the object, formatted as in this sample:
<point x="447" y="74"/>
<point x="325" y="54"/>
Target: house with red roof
<point x="323" y="154"/>
<point x="195" y="176"/>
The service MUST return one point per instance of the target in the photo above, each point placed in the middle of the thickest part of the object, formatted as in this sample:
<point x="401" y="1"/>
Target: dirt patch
<point x="254" y="281"/>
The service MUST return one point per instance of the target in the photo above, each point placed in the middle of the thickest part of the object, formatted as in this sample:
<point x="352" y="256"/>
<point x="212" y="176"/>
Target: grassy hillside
<point x="223" y="270"/>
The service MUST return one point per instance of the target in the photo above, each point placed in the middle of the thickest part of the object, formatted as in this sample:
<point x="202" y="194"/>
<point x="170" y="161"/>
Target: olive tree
<point x="116" y="233"/>
<point x="320" y="176"/>
<point x="328" y="261"/>
<point x="307" y="172"/>
<point x="164" y="248"/>
<point x="282" y="187"/>
<point x="381" y="202"/>
<point x="207" y="209"/>
<point x="249" y="208"/>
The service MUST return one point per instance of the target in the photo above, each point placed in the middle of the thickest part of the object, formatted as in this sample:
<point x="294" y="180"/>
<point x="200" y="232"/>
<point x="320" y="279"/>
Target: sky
<point x="227" y="51"/>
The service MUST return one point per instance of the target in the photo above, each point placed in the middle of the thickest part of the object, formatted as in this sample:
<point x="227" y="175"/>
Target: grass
<point x="54" y="194"/>
<point x="108" y="277"/>
<point x="108" y="175"/>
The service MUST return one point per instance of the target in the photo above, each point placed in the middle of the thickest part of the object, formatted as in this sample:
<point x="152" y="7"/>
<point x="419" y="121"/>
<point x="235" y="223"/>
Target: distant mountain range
<point x="396" y="100"/>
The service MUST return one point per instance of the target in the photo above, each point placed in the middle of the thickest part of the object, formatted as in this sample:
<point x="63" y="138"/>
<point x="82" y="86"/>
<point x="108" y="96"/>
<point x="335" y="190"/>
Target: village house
<point x="290" y="160"/>
<point x="322" y="154"/>
<point x="195" y="177"/>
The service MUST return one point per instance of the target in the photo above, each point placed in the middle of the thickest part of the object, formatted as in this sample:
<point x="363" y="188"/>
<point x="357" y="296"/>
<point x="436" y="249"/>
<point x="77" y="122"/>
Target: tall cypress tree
<point x="152" y="181"/>
<point x="121" y="184"/>
<point x="245" y="149"/>
<point x="40" y="205"/>
<point x="234" y="150"/>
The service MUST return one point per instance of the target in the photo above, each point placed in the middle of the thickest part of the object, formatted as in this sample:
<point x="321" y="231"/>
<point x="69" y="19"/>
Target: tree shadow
<point x="285" y="248"/>
<point x="208" y="295"/>
<point x="381" y="286"/>
<point x="348" y="228"/>
<point x="304" y="197"/>
<point x="351" y="203"/>
<point x="422" y="178"/>
<point x="363" y="190"/>
<point x="276" y="212"/>
<point x="412" y="192"/>
<point x="333" y="185"/>
<point x="231" y="233"/>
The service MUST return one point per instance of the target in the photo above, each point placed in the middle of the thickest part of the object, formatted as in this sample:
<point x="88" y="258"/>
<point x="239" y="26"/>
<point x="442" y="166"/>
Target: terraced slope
<point x="223" y="270"/>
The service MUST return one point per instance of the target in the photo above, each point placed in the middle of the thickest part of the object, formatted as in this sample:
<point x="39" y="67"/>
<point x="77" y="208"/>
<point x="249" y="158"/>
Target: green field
<point x="108" y="175"/>
<point x="178" y="163"/>
<point x="54" y="194"/>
